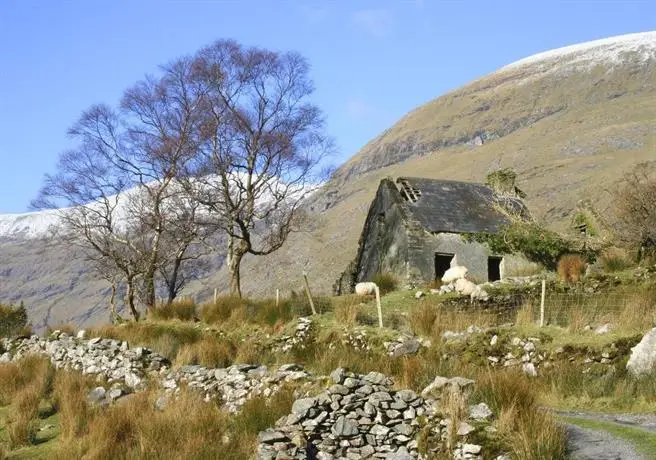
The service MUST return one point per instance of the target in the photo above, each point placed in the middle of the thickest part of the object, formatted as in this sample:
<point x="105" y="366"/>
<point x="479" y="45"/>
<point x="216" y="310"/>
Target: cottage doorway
<point x="494" y="268"/>
<point x="442" y="264"/>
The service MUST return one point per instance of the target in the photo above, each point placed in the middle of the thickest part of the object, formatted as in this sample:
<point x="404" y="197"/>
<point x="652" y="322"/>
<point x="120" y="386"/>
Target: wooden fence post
<point x="215" y="295"/>
<point x="277" y="297"/>
<point x="380" y="310"/>
<point x="309" y="294"/>
<point x="544" y="288"/>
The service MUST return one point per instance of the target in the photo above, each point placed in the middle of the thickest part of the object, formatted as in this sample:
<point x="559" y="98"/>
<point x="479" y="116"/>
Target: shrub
<point x="570" y="268"/>
<point x="182" y="309"/>
<point x="386" y="282"/>
<point x="614" y="262"/>
<point x="13" y="320"/>
<point x="537" y="243"/>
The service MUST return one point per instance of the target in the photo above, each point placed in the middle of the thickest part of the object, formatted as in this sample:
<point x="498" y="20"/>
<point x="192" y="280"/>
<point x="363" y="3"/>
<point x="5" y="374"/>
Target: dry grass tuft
<point x="70" y="398"/>
<point x="346" y="313"/>
<point x="571" y="268"/>
<point x="423" y="318"/>
<point x="208" y="352"/>
<point x="24" y="384"/>
<point x="528" y="430"/>
<point x="188" y="427"/>
<point x="183" y="309"/>
<point x="454" y="407"/>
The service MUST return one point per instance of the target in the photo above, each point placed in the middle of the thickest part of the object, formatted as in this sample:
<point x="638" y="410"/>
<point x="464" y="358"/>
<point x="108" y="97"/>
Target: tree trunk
<point x="173" y="281"/>
<point x="236" y="253"/>
<point x="149" y="288"/>
<point x="129" y="299"/>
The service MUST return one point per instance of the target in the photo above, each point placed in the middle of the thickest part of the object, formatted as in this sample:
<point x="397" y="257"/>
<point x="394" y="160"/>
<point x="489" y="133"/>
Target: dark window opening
<point x="408" y="192"/>
<point x="494" y="268"/>
<point x="583" y="229"/>
<point x="442" y="264"/>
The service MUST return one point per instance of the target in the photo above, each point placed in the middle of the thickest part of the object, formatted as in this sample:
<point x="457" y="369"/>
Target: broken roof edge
<point x="452" y="206"/>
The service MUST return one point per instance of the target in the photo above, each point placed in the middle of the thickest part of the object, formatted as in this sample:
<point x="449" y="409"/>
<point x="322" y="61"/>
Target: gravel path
<point x="597" y="444"/>
<point x="586" y="444"/>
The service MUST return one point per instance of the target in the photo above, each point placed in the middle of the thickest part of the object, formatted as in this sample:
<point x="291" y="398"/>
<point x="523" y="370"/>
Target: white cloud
<point x="376" y="22"/>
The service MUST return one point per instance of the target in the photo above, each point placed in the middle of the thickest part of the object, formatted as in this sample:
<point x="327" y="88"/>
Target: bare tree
<point x="92" y="189"/>
<point x="263" y="143"/>
<point x="633" y="208"/>
<point x="119" y="186"/>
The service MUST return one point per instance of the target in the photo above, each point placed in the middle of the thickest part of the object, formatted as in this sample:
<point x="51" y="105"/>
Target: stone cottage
<point x="415" y="227"/>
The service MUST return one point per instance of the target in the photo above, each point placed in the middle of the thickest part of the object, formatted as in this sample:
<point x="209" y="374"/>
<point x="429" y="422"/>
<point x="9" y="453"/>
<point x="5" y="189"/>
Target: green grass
<point x="46" y="441"/>
<point x="643" y="440"/>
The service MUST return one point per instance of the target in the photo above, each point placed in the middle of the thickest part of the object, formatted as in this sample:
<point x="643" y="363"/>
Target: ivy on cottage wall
<point x="536" y="243"/>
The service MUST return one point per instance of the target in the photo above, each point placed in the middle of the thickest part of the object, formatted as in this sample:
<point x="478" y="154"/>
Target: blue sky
<point x="372" y="61"/>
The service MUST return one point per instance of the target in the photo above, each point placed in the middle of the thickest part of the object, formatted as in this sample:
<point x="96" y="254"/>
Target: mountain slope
<point x="569" y="121"/>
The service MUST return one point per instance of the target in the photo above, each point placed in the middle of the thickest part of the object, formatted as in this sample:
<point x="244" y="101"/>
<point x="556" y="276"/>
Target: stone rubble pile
<point x="233" y="385"/>
<point x="298" y="338"/>
<point x="405" y="345"/>
<point x="522" y="353"/>
<point x="108" y="359"/>
<point x="361" y="416"/>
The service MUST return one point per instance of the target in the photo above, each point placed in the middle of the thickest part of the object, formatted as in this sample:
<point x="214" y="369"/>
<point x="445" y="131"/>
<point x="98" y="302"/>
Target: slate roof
<point x="457" y="207"/>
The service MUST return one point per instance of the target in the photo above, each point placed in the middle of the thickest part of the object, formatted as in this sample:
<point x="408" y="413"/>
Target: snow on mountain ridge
<point x="27" y="225"/>
<point x="609" y="49"/>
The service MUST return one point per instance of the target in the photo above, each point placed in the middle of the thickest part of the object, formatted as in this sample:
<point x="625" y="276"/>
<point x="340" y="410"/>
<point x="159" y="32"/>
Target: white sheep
<point x="365" y="288"/>
<point x="465" y="287"/>
<point x="454" y="273"/>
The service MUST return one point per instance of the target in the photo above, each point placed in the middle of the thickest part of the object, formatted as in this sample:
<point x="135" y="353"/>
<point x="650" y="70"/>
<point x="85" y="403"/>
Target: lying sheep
<point x="365" y="288"/>
<point x="454" y="273"/>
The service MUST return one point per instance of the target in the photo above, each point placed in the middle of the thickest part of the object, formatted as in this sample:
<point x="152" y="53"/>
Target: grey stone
<point x="271" y="436"/>
<point x="344" y="427"/>
<point x="529" y="369"/>
<point x="338" y="389"/>
<point x="377" y="378"/>
<point x="403" y="428"/>
<point x="161" y="402"/>
<point x="97" y="395"/>
<point x="350" y="382"/>
<point x="379" y="430"/>
<point x="115" y="393"/>
<point x="132" y="380"/>
<point x="290" y="368"/>
<point x="302" y="406"/>
<point x="472" y="449"/>
<point x="465" y="428"/>
<point x="643" y="355"/>
<point x="338" y="375"/>
<point x="480" y="411"/>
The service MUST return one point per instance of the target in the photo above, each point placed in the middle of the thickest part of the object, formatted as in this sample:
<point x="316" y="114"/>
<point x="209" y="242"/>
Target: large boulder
<point x="643" y="355"/>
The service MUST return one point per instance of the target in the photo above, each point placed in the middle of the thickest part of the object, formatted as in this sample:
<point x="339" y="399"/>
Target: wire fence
<point x="626" y="309"/>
